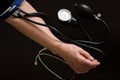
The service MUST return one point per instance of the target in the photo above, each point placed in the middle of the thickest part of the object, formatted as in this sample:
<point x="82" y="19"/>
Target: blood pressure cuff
<point x="8" y="7"/>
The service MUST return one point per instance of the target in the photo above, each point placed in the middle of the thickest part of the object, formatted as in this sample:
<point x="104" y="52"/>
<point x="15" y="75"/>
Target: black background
<point x="17" y="52"/>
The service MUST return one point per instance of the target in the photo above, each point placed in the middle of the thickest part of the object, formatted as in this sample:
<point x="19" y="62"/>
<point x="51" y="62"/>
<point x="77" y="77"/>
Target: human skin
<point x="76" y="57"/>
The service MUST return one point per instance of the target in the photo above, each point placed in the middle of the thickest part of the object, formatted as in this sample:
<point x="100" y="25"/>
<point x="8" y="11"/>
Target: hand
<point x="77" y="58"/>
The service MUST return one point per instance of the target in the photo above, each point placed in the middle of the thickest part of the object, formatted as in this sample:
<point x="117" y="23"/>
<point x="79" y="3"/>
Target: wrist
<point x="54" y="45"/>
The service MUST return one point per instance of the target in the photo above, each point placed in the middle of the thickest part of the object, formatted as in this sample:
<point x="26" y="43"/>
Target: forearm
<point x="39" y="34"/>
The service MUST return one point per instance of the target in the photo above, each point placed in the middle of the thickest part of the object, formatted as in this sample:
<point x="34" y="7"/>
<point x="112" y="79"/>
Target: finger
<point x="89" y="63"/>
<point x="96" y="62"/>
<point x="86" y="54"/>
<point x="81" y="69"/>
<point x="84" y="65"/>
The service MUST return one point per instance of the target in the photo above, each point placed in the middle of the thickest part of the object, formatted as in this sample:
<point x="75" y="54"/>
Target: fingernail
<point x="98" y="63"/>
<point x="92" y="58"/>
<point x="96" y="60"/>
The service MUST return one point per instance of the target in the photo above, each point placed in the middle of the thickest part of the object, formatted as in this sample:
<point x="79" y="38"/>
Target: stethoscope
<point x="66" y="16"/>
